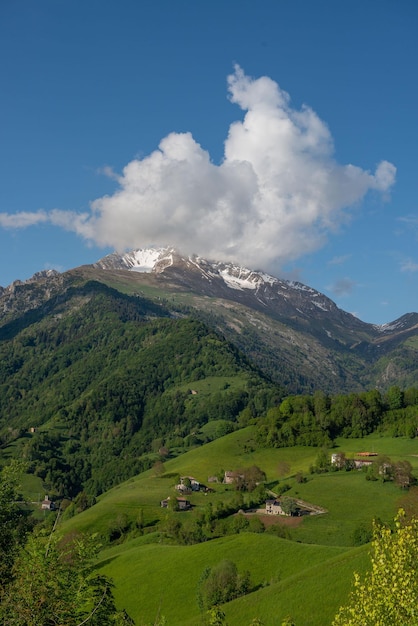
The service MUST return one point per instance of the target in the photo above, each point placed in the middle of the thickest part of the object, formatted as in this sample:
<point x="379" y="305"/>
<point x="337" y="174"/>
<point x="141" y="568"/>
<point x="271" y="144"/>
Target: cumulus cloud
<point x="274" y="197"/>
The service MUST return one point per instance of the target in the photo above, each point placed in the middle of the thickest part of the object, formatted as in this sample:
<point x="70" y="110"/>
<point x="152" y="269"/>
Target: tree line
<point x="316" y="420"/>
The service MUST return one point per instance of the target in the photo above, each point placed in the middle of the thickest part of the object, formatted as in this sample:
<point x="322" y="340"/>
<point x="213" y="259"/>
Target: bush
<point x="221" y="584"/>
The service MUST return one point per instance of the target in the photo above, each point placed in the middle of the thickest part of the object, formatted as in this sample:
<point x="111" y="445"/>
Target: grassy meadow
<point x="154" y="579"/>
<point x="307" y="577"/>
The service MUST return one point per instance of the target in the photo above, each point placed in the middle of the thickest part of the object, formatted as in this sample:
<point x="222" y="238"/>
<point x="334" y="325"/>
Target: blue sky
<point x="282" y="135"/>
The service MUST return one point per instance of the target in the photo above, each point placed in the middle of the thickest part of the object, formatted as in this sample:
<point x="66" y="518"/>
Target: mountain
<point x="295" y="334"/>
<point x="109" y="363"/>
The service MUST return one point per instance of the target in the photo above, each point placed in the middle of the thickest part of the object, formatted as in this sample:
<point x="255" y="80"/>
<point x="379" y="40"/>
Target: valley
<point x="305" y="570"/>
<point x="116" y="384"/>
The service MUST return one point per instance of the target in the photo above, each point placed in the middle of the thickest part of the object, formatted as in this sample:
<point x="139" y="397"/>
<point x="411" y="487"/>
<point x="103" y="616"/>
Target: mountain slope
<point x="296" y="335"/>
<point x="104" y="379"/>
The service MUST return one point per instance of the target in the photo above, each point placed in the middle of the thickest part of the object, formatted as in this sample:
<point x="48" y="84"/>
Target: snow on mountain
<point x="140" y="260"/>
<point x="406" y="321"/>
<point x="237" y="282"/>
<point x="233" y="276"/>
<point x="144" y="260"/>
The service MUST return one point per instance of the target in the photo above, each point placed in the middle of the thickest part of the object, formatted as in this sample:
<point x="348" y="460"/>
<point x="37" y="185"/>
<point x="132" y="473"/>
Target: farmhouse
<point x="47" y="504"/>
<point x="359" y="463"/>
<point x="232" y="477"/>
<point x="182" y="503"/>
<point x="273" y="507"/>
<point x="338" y="459"/>
<point x="188" y="484"/>
<point x="364" y="460"/>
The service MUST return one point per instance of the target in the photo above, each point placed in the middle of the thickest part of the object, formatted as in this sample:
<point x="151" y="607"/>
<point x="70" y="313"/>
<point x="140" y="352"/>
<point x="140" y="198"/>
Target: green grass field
<point x="146" y="490"/>
<point x="350" y="500"/>
<point x="311" y="597"/>
<point x="152" y="579"/>
<point x="308" y="577"/>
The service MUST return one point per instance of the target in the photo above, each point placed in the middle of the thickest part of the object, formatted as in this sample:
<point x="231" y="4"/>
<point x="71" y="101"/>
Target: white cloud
<point x="409" y="266"/>
<point x="22" y="219"/>
<point x="273" y="198"/>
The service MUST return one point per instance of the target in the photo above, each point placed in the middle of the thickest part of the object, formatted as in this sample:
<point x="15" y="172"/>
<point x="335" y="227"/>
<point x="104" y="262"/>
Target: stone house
<point x="183" y="503"/>
<point x="47" y="504"/>
<point x="273" y="507"/>
<point x="188" y="484"/>
<point x="232" y="477"/>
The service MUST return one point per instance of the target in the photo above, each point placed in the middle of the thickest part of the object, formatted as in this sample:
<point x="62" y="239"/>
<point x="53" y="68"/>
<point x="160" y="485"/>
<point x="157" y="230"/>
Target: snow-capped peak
<point x="147" y="260"/>
<point x="141" y="260"/>
<point x="144" y="260"/>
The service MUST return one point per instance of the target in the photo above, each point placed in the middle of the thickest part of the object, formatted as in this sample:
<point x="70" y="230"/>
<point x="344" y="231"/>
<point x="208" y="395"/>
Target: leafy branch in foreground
<point x="388" y="594"/>
<point x="53" y="583"/>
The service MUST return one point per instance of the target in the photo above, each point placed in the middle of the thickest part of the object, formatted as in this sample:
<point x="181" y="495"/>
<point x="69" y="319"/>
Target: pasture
<point x="307" y="577"/>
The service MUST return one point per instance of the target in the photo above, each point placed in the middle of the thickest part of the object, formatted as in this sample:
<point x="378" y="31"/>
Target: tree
<point x="216" y="617"/>
<point x="382" y="468"/>
<point x="13" y="523"/>
<point x="240" y="523"/>
<point x="361" y="535"/>
<point x="394" y="398"/>
<point x="118" y="526"/>
<point x="221" y="583"/>
<point x="403" y="474"/>
<point x="388" y="593"/>
<point x="54" y="583"/>
<point x="289" y="505"/>
<point x="248" y="478"/>
<point x="323" y="462"/>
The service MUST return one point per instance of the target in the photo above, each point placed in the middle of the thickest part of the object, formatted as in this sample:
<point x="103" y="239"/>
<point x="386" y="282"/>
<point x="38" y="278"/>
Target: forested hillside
<point x="318" y="419"/>
<point x="104" y="381"/>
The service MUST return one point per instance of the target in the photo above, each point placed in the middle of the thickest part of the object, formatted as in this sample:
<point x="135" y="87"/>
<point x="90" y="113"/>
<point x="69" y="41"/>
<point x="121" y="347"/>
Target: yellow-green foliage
<point x="388" y="594"/>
